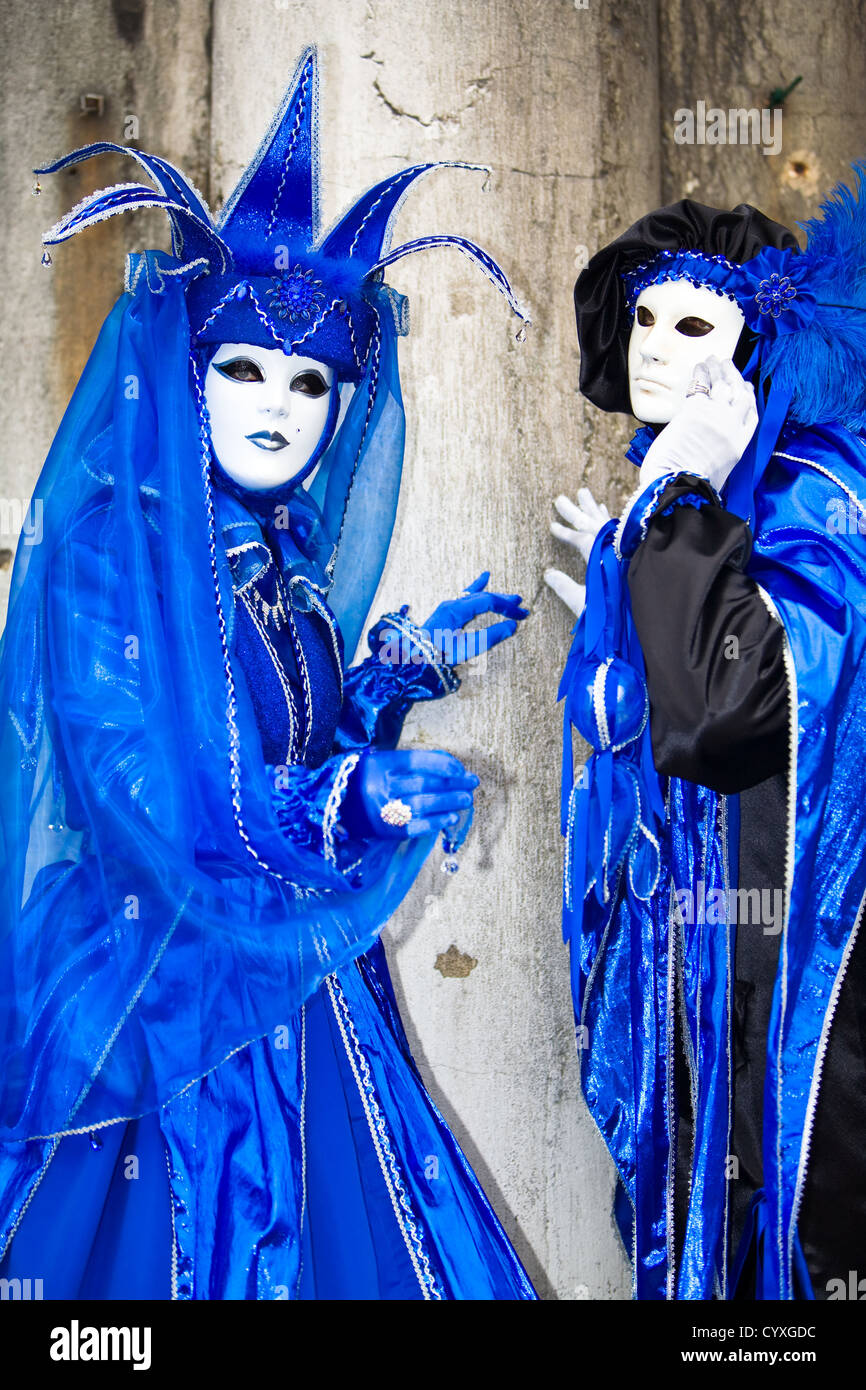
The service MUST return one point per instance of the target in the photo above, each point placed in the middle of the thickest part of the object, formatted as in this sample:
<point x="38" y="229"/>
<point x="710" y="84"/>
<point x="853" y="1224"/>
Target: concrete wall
<point x="573" y="104"/>
<point x="145" y="61"/>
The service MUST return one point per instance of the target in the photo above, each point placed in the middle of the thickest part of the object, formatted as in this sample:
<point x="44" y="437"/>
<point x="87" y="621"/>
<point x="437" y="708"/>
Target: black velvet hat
<point x="717" y="240"/>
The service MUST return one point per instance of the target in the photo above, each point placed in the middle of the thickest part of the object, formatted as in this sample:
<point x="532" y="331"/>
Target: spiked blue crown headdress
<point x="263" y="272"/>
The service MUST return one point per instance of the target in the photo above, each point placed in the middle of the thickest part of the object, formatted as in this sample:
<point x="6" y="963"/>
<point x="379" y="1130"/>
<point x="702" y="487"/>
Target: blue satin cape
<point x="634" y="960"/>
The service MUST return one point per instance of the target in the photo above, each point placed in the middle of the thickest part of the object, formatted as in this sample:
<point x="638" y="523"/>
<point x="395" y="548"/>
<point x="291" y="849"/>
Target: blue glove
<point x="445" y="626"/>
<point x="434" y="786"/>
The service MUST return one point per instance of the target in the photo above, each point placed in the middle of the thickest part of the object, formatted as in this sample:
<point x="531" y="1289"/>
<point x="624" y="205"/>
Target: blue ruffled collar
<point x="251" y="523"/>
<point x="639" y="444"/>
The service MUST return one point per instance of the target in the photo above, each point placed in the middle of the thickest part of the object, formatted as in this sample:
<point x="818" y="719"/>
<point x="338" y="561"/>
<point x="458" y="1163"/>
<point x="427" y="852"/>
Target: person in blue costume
<point x="715" y="872"/>
<point x="207" y="1090"/>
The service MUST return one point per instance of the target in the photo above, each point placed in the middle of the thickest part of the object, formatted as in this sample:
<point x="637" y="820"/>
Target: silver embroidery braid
<point x="406" y="1218"/>
<point x="332" y="805"/>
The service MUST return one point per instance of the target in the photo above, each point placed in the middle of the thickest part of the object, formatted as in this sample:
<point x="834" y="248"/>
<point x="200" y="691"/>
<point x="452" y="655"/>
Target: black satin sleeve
<point x="713" y="652"/>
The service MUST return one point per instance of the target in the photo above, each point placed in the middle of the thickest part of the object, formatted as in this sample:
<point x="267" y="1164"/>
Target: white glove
<point x="585" y="517"/>
<point x="709" y="434"/>
<point x="572" y="594"/>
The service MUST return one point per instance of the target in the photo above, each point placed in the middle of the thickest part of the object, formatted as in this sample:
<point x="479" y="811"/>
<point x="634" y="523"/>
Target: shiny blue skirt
<point x="102" y="1222"/>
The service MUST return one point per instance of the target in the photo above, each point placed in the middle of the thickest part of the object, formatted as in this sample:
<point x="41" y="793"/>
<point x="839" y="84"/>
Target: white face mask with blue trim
<point x="677" y="325"/>
<point x="268" y="411"/>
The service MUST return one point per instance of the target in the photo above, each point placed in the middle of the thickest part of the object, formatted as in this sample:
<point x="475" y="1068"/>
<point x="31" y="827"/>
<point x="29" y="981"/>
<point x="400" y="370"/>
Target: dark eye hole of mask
<point x="240" y="369"/>
<point x="645" y="316"/>
<point x="694" y="327"/>
<point x="310" y="383"/>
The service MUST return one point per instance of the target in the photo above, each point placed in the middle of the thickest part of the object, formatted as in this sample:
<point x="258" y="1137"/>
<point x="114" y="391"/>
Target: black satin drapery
<point x="722" y="721"/>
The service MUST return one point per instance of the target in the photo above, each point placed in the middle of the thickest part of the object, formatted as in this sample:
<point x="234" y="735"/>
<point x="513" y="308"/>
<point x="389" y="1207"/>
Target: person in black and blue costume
<point x="717" y="673"/>
<point x="207" y="1090"/>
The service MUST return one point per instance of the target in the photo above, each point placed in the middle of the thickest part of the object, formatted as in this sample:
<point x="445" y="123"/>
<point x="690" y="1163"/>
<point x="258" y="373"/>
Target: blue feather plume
<point x="824" y="364"/>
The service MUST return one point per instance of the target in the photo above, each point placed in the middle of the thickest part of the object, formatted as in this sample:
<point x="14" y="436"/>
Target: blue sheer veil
<point x="154" y="916"/>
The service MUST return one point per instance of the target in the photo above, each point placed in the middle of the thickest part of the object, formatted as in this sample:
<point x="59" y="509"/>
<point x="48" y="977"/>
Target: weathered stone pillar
<point x="544" y="92"/>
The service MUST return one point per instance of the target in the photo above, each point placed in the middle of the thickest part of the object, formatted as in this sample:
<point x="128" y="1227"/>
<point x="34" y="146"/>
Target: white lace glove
<point x="709" y="434"/>
<point x="586" y="518"/>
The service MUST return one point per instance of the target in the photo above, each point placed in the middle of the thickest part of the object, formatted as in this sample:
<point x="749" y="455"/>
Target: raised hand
<point x="420" y="792"/>
<point x="447" y="622"/>
<point x="709" y="434"/>
<point x="585" y="519"/>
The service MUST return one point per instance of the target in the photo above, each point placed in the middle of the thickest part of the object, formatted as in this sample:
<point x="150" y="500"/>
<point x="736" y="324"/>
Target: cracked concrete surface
<point x="450" y="118"/>
<point x="477" y="86"/>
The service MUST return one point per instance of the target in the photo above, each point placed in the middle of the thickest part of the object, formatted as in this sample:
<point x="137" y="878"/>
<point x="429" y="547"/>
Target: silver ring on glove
<point x="699" y="388"/>
<point x="396" y="813"/>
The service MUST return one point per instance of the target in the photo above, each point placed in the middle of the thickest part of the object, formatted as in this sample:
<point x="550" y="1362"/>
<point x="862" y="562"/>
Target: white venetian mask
<point x="676" y="326"/>
<point x="268" y="412"/>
